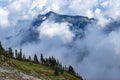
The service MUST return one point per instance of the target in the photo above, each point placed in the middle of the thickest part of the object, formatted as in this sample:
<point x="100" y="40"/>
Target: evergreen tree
<point x="20" y="54"/>
<point x="47" y="62"/>
<point x="56" y="73"/>
<point x="2" y="51"/>
<point x="24" y="57"/>
<point x="1" y="48"/>
<point x="11" y="54"/>
<point x="42" y="59"/>
<point x="16" y="54"/>
<point x="29" y="58"/>
<point x="53" y="62"/>
<point x="36" y="59"/>
<point x="71" y="70"/>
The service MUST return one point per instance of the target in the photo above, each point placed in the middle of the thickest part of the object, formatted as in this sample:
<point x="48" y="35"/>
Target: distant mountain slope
<point x="28" y="33"/>
<point x="76" y="23"/>
<point x="79" y="21"/>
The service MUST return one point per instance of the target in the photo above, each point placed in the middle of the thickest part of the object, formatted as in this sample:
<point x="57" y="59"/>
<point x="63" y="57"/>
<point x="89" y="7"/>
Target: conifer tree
<point x="2" y="51"/>
<point x="56" y="73"/>
<point x="42" y="60"/>
<point x="24" y="57"/>
<point x="29" y="58"/>
<point x="20" y="54"/>
<point x="71" y="70"/>
<point x="11" y="54"/>
<point x="36" y="59"/>
<point x="16" y="54"/>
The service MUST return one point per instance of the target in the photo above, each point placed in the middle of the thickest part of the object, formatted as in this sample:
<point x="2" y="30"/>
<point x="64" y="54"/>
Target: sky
<point x="26" y="9"/>
<point x="103" y="50"/>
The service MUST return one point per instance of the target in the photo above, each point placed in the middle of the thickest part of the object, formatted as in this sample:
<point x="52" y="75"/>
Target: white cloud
<point x="97" y="11"/>
<point x="52" y="29"/>
<point x="27" y="9"/>
<point x="102" y="62"/>
<point x="81" y="7"/>
<point x="105" y="4"/>
<point x="4" y="17"/>
<point x="115" y="41"/>
<point x="19" y="8"/>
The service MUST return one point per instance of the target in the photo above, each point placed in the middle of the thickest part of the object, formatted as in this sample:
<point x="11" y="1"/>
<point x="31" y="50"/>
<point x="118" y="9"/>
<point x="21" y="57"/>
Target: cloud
<point x="19" y="10"/>
<point x="27" y="9"/>
<point x="60" y="30"/>
<point x="102" y="62"/>
<point x="3" y="17"/>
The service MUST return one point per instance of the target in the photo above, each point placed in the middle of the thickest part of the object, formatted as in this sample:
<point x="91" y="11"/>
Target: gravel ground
<point x="6" y="74"/>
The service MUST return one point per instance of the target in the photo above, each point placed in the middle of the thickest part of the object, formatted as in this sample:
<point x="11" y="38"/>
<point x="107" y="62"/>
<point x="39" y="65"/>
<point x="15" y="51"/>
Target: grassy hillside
<point x="36" y="70"/>
<point x="15" y="66"/>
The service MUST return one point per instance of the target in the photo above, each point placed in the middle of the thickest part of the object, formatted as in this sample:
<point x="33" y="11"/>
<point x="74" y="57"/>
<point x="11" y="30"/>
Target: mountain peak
<point x="51" y="12"/>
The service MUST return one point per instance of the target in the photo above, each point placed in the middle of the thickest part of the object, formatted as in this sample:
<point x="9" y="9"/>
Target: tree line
<point x="50" y="61"/>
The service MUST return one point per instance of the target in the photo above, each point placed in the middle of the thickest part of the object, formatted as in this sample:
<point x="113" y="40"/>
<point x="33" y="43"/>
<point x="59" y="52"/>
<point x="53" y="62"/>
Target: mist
<point x="102" y="62"/>
<point x="94" y="57"/>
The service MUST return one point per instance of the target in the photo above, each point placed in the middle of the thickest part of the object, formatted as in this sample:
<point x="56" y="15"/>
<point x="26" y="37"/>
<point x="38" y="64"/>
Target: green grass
<point x="38" y="70"/>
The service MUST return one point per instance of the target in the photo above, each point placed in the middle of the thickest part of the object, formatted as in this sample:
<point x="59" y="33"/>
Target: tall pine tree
<point x="36" y="59"/>
<point x="2" y="51"/>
